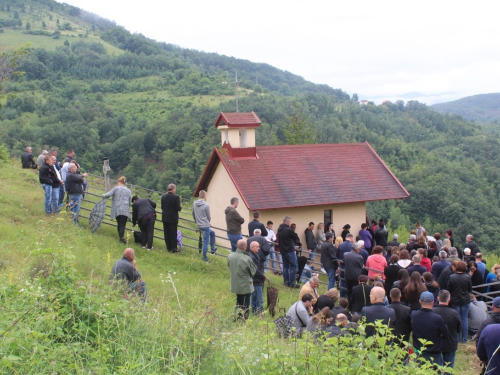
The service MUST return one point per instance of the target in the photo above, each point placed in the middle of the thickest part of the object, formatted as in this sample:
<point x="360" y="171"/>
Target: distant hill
<point x="482" y="108"/>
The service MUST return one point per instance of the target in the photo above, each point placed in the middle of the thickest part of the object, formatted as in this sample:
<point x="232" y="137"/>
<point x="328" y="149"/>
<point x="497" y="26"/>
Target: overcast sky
<point x="378" y="49"/>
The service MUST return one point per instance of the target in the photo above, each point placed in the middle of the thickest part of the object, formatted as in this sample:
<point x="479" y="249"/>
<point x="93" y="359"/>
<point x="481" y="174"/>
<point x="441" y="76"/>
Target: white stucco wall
<point x="222" y="189"/>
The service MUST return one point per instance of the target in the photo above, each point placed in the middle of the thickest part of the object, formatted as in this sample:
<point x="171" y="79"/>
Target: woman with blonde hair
<point x="320" y="234"/>
<point x="338" y="241"/>
<point x="120" y="206"/>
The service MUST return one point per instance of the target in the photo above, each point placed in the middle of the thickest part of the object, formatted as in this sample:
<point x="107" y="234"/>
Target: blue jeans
<point x="55" y="200"/>
<point x="62" y="190"/>
<point x="233" y="238"/>
<point x="257" y="299"/>
<point x="208" y="236"/>
<point x="463" y="311"/>
<point x="140" y="288"/>
<point x="290" y="268"/>
<point x="48" y="198"/>
<point x="272" y="257"/>
<point x="279" y="266"/>
<point x="74" y="206"/>
<point x="331" y="278"/>
<point x="449" y="358"/>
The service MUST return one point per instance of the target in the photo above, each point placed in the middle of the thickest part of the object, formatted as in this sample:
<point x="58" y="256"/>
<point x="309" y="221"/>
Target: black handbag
<point x="137" y="237"/>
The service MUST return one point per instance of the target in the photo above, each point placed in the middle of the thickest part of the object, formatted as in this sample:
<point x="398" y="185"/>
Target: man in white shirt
<point x="271" y="237"/>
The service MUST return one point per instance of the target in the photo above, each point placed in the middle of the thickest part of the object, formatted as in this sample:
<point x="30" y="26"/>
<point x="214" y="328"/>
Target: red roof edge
<point x="231" y="176"/>
<point x="255" y="124"/>
<point x="386" y="167"/>
<point x="246" y="153"/>
<point x="317" y="205"/>
<point x="221" y="116"/>
<point x="208" y="172"/>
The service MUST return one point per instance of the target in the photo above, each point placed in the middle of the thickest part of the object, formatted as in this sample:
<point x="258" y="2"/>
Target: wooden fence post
<point x="106" y="171"/>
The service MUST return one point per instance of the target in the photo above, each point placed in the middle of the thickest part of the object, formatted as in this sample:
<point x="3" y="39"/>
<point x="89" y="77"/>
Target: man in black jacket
<point x="125" y="272"/>
<point x="46" y="174"/>
<point x="429" y="326"/>
<point x="360" y="295"/>
<point x="170" y="206"/>
<point x="257" y="297"/>
<point x="402" y="329"/>
<point x="381" y="235"/>
<point x="344" y="248"/>
<point x="454" y="324"/>
<point x="310" y="239"/>
<point x="27" y="160"/>
<point x="377" y="311"/>
<point x="74" y="187"/>
<point x="144" y="213"/>
<point x="256" y="224"/>
<point x="288" y="239"/>
<point x="329" y="259"/>
<point x="353" y="263"/>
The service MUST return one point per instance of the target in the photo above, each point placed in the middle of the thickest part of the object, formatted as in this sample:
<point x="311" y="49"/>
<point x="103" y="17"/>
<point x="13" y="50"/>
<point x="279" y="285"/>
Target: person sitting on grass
<point x="125" y="273"/>
<point x="320" y="322"/>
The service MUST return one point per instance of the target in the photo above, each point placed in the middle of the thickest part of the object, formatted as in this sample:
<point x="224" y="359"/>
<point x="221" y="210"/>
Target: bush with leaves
<point x="341" y="355"/>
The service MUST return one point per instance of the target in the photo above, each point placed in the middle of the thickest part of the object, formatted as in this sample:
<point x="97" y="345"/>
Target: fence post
<point x="106" y="171"/>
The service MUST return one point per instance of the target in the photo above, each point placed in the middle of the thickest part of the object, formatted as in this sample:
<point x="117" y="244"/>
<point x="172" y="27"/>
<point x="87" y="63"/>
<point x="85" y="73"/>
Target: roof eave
<point x="324" y="204"/>
<point x="388" y="169"/>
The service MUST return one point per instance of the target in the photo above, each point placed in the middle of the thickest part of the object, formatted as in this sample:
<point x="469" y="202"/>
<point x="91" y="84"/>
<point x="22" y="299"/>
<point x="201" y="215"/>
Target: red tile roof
<point x="298" y="176"/>
<point x="238" y="120"/>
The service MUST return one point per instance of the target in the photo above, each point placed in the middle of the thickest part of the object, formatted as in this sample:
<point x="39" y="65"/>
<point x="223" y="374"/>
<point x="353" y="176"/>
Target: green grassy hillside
<point x="58" y="315"/>
<point x="181" y="328"/>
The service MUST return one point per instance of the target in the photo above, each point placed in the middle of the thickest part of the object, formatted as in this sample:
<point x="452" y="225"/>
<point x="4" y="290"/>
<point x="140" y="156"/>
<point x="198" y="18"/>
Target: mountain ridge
<point x="483" y="108"/>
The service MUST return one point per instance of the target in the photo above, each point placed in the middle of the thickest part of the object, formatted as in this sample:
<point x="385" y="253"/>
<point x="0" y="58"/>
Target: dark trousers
<point x="147" y="225"/>
<point x="170" y="234"/>
<point x="350" y="284"/>
<point x="121" y="222"/>
<point x="243" y="305"/>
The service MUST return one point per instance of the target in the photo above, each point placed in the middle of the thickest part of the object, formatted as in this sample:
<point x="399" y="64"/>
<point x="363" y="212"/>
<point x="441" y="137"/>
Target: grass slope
<point x="200" y="287"/>
<point x="15" y="37"/>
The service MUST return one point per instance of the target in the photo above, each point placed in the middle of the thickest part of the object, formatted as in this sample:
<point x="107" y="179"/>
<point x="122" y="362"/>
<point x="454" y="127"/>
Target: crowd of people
<point x="421" y="287"/>
<point x="58" y="180"/>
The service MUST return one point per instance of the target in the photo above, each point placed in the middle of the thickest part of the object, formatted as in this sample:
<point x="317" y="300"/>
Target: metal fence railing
<point x="186" y="224"/>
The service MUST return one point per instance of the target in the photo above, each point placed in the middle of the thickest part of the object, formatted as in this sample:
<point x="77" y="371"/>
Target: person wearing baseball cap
<point x="494" y="317"/>
<point x="429" y="326"/>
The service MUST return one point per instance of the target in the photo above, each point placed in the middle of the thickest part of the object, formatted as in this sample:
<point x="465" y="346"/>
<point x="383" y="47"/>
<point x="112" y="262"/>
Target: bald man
<point x="257" y="298"/>
<point x="241" y="270"/>
<point x="125" y="273"/>
<point x="377" y="311"/>
<point x="27" y="160"/>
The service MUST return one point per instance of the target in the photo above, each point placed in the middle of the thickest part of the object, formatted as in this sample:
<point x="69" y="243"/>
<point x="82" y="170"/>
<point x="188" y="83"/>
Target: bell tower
<point x="238" y="133"/>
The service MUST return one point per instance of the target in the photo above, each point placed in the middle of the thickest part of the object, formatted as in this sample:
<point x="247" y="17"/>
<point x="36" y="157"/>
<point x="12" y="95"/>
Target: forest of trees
<point x="151" y="110"/>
